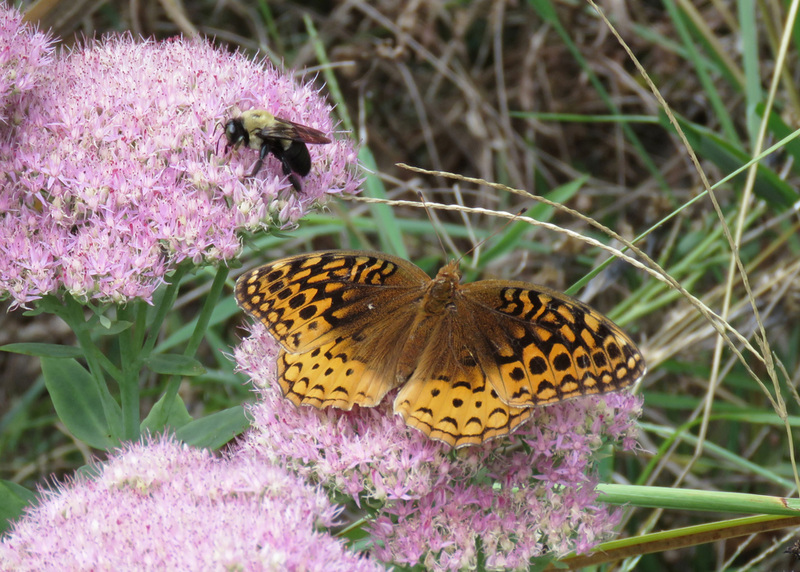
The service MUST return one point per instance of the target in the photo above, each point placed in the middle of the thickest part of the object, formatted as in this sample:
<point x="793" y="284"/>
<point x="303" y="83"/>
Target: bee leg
<point x="261" y="155"/>
<point x="295" y="183"/>
<point x="289" y="172"/>
<point x="256" y="168"/>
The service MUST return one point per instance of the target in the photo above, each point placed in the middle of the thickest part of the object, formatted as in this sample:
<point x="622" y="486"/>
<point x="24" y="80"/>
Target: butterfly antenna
<point x="495" y="233"/>
<point x="478" y="244"/>
<point x="430" y="218"/>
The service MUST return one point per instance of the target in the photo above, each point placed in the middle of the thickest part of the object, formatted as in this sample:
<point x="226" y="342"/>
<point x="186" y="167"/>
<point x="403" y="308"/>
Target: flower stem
<point x="72" y="312"/>
<point x="197" y="335"/>
<point x="131" y="358"/>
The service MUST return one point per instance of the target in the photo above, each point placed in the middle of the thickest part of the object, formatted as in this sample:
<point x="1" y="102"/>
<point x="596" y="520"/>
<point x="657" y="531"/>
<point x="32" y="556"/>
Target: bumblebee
<point x="286" y="140"/>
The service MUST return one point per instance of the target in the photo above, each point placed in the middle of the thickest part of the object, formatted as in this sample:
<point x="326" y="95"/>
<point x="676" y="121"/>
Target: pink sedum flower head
<point x="23" y="52"/>
<point x="512" y="499"/>
<point x="165" y="506"/>
<point x="114" y="178"/>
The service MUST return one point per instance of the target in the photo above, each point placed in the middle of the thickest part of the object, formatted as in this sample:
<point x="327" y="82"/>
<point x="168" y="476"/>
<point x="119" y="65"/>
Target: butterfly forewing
<point x="538" y="346"/>
<point x="311" y="299"/>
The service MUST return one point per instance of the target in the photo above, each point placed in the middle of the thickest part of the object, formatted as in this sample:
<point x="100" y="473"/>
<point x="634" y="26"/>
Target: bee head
<point x="236" y="134"/>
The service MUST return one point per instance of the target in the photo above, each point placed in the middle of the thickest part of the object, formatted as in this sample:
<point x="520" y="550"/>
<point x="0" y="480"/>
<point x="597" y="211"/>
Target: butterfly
<point x="471" y="360"/>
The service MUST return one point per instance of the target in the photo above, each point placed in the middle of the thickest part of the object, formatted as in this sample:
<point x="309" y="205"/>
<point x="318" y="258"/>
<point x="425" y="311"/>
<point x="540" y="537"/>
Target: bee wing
<point x="285" y="129"/>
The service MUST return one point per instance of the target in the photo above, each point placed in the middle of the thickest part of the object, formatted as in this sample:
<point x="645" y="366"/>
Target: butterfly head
<point x="442" y="289"/>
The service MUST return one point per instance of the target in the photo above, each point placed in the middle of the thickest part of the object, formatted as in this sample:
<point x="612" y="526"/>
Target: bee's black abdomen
<point x="297" y="157"/>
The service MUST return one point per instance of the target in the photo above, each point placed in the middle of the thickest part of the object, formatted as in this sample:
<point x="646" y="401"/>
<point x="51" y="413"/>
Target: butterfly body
<point x="471" y="360"/>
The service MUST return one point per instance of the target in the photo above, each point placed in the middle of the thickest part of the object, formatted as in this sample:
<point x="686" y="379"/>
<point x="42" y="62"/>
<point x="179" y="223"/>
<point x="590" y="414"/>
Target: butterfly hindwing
<point x="355" y="369"/>
<point x="448" y="396"/>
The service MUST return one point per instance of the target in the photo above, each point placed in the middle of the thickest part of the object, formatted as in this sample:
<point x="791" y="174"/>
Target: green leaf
<point x="13" y="500"/>
<point x="223" y="311"/>
<point x="214" y="431"/>
<point x="157" y="419"/>
<point x="175" y="364"/>
<point x="110" y="328"/>
<point x="91" y="471"/>
<point x="546" y="10"/>
<point x="77" y="401"/>
<point x="391" y="238"/>
<point x="781" y="130"/>
<point x="768" y="185"/>
<point x="509" y="239"/>
<point x="695" y="499"/>
<point x="43" y="350"/>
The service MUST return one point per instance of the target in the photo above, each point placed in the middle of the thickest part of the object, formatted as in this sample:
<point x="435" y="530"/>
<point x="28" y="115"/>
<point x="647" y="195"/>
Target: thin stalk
<point x="211" y="299"/>
<point x="130" y="356"/>
<point x="72" y="313"/>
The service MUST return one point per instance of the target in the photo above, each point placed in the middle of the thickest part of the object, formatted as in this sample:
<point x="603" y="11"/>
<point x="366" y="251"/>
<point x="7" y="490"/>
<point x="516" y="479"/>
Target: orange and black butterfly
<point x="472" y="361"/>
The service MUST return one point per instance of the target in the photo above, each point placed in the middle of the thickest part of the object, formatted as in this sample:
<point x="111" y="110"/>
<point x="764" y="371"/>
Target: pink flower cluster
<point x="112" y="176"/>
<point x="512" y="499"/>
<point x="23" y="52"/>
<point x="165" y="506"/>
